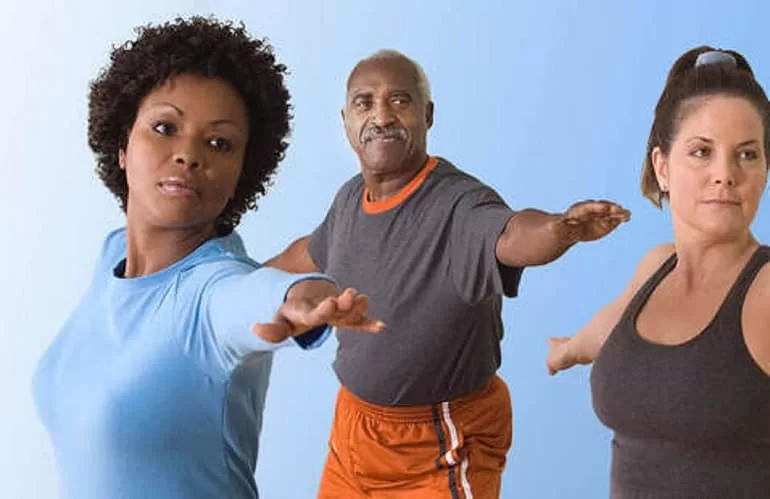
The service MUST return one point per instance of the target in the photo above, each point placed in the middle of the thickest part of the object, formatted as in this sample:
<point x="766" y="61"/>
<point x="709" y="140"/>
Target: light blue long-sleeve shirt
<point x="154" y="387"/>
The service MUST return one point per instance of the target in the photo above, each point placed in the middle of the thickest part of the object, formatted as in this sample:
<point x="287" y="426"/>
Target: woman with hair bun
<point x="682" y="357"/>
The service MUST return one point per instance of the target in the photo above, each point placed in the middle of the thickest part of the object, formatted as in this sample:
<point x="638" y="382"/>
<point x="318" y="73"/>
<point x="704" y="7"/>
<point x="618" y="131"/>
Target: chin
<point x="382" y="165"/>
<point x="384" y="158"/>
<point x="180" y="221"/>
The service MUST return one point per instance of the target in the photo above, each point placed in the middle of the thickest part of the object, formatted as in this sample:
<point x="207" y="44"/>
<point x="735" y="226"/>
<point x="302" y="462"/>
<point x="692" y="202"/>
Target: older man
<point x="421" y="412"/>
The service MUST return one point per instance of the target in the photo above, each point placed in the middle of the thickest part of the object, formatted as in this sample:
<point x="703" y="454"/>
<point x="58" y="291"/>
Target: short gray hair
<point x="423" y="85"/>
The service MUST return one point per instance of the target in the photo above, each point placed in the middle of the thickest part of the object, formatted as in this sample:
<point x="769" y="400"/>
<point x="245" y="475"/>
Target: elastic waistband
<point x="422" y="413"/>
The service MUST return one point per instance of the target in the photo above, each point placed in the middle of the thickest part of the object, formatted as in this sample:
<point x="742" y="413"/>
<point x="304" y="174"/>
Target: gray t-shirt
<point x="426" y="258"/>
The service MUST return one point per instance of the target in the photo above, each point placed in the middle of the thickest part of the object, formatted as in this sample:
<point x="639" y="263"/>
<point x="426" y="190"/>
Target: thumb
<point x="273" y="332"/>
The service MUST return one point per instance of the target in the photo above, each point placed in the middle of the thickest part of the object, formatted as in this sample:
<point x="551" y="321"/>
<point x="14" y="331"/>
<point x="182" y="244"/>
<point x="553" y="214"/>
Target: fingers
<point x="366" y="325"/>
<point x="607" y="224"/>
<point x="591" y="220"/>
<point x="593" y="209"/>
<point x="348" y="310"/>
<point x="557" y="359"/>
<point x="351" y="313"/>
<point x="347" y="300"/>
<point x="294" y="318"/>
<point x="359" y="309"/>
<point x="298" y="315"/>
<point x="361" y="304"/>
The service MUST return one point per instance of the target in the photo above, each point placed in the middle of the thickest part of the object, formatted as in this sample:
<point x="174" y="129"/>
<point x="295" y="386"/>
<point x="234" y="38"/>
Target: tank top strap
<point x="732" y="307"/>
<point x="644" y="292"/>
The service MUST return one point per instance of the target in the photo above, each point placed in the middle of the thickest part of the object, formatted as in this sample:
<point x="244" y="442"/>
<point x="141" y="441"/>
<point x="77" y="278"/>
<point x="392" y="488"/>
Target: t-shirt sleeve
<point x="234" y="303"/>
<point x="318" y="245"/>
<point x="322" y="237"/>
<point x="478" y="219"/>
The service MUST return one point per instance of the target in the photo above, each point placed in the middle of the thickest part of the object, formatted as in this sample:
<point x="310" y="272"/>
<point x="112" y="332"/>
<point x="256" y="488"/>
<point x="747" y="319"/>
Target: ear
<point x="660" y="165"/>
<point x="344" y="120"/>
<point x="429" y="114"/>
<point x="122" y="159"/>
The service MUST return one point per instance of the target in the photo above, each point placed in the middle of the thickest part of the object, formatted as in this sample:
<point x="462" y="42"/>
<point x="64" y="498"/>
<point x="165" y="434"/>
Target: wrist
<point x="572" y="348"/>
<point x="313" y="290"/>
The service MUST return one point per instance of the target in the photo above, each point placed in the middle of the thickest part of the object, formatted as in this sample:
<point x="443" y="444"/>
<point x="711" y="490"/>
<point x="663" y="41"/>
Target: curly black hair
<point x="201" y="46"/>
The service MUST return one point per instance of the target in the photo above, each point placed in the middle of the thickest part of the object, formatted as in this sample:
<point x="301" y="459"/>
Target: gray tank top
<point x="691" y="420"/>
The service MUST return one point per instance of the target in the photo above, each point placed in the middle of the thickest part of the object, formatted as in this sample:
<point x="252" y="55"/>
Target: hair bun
<point x="707" y="56"/>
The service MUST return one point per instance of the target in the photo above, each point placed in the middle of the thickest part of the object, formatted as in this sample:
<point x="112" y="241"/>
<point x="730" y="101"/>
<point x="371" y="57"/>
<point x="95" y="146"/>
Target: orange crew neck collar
<point x="381" y="206"/>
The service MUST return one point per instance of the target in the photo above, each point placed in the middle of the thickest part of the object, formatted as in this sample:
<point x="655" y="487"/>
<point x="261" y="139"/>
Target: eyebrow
<point x="356" y="93"/>
<point x="710" y="141"/>
<point x="168" y="104"/>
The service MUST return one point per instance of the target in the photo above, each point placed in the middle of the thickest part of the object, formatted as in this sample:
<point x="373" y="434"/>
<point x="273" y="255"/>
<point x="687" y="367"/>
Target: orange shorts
<point x="452" y="450"/>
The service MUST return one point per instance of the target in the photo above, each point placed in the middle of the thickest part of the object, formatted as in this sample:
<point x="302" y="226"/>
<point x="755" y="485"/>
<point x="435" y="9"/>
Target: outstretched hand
<point x="314" y="303"/>
<point x="591" y="220"/>
<point x="559" y="357"/>
<point x="562" y="354"/>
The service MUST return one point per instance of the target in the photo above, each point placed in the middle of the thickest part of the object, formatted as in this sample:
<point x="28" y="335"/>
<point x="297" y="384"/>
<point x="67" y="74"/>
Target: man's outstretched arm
<point x="534" y="237"/>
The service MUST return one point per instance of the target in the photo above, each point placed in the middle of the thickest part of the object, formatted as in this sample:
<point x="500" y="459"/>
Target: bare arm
<point x="544" y="243"/>
<point x="584" y="346"/>
<point x="295" y="258"/>
<point x="535" y="237"/>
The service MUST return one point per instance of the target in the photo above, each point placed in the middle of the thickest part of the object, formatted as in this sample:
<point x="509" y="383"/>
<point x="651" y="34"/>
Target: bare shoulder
<point x="756" y="319"/>
<point x="649" y="264"/>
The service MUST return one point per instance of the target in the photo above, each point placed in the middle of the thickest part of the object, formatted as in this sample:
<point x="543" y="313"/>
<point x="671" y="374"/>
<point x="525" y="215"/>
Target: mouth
<point x="723" y="202"/>
<point x="178" y="187"/>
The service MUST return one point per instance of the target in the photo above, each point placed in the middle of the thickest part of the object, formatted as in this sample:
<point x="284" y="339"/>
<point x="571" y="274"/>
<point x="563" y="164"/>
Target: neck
<point x="700" y="262"/>
<point x="152" y="250"/>
<point x="384" y="185"/>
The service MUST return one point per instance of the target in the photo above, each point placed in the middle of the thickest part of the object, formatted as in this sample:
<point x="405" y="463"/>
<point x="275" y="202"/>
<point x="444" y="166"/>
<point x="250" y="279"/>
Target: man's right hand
<point x="591" y="220"/>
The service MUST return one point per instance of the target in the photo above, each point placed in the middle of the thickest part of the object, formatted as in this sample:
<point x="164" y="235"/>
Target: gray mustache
<point x="385" y="132"/>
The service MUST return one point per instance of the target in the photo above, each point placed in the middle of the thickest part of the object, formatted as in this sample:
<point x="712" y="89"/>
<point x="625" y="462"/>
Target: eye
<point x="164" y="128"/>
<point x="401" y="99"/>
<point x="220" y="144"/>
<point x="748" y="155"/>
<point x="362" y="104"/>
<point x="701" y="152"/>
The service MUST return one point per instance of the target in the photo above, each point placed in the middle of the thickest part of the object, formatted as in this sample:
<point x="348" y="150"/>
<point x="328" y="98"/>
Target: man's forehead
<point x="388" y="73"/>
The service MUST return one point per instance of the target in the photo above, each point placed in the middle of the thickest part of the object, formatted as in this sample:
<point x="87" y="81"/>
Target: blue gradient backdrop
<point x="550" y="102"/>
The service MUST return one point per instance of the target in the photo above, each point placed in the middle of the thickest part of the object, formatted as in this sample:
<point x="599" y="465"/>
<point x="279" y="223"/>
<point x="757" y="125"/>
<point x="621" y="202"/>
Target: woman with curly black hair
<point x="155" y="385"/>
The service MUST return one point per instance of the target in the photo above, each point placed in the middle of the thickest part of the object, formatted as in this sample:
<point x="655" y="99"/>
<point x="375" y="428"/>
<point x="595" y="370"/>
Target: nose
<point x="725" y="170"/>
<point x="187" y="155"/>
<point x="382" y="114"/>
<point x="186" y="161"/>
